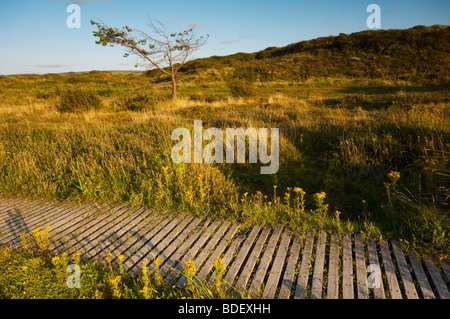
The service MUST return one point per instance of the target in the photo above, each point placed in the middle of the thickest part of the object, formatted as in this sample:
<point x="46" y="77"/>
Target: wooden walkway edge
<point x="263" y="261"/>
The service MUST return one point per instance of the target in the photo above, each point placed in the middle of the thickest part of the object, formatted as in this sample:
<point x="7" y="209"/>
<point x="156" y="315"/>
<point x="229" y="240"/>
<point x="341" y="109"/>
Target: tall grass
<point x="341" y="144"/>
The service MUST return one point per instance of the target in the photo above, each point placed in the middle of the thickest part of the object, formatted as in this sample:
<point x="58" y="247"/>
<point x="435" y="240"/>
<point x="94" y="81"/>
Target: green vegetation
<point x="31" y="272"/>
<point x="364" y="135"/>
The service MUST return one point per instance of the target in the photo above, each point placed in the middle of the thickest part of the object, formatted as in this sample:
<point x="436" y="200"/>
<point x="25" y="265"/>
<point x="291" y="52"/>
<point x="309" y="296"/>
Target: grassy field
<point x="356" y="154"/>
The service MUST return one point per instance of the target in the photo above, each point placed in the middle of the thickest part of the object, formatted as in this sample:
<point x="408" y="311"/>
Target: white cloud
<point x="231" y="41"/>
<point x="246" y="36"/>
<point x="50" y="65"/>
<point x="197" y="24"/>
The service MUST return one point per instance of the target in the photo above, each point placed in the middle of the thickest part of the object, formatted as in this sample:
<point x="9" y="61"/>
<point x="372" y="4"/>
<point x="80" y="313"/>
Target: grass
<point x="339" y="137"/>
<point x="31" y="272"/>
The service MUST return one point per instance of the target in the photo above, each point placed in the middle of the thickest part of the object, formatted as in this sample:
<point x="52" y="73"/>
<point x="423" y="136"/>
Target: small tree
<point x="167" y="52"/>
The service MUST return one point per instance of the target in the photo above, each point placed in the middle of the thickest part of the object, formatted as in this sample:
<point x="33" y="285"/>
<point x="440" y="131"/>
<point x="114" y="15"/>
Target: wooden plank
<point x="206" y="251"/>
<point x="288" y="277"/>
<point x="168" y="265"/>
<point x="133" y="234"/>
<point x="317" y="281"/>
<point x="436" y="278"/>
<point x="27" y="214"/>
<point x="176" y="243"/>
<point x="421" y="277"/>
<point x="252" y="259"/>
<point x="333" y="270"/>
<point x="228" y="257"/>
<point x="402" y="266"/>
<point x="104" y="239"/>
<point x="224" y="242"/>
<point x="132" y="264"/>
<point x="68" y="224"/>
<point x="446" y="269"/>
<point x="158" y="243"/>
<point x="347" y="268"/>
<point x="21" y="209"/>
<point x="263" y="266"/>
<point x="190" y="254"/>
<point x="302" y="281"/>
<point x="111" y="239"/>
<point x="64" y="219"/>
<point x="161" y="240"/>
<point x="146" y="234"/>
<point x="20" y="224"/>
<point x="85" y="233"/>
<point x="391" y="277"/>
<point x="11" y="207"/>
<point x="277" y="267"/>
<point x="378" y="293"/>
<point x="10" y="203"/>
<point x="239" y="260"/>
<point x="361" y="275"/>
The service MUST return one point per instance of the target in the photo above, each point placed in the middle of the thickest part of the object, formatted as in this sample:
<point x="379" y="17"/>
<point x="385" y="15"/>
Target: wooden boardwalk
<point x="264" y="261"/>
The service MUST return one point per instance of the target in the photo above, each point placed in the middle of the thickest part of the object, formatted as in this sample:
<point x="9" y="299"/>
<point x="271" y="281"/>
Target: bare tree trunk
<point x="174" y="89"/>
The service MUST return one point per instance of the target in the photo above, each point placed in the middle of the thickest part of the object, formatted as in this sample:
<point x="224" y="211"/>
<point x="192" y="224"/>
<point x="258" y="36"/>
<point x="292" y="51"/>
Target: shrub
<point x="140" y="101"/>
<point x="77" y="100"/>
<point x="241" y="88"/>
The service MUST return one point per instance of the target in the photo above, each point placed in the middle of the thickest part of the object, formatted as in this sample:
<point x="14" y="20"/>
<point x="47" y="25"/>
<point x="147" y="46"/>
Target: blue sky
<point x="36" y="39"/>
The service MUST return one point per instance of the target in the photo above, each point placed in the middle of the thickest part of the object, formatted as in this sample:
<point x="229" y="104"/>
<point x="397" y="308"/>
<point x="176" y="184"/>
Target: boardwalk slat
<point x="135" y="252"/>
<point x="436" y="278"/>
<point x="168" y="265"/>
<point x="86" y="232"/>
<point x="19" y="207"/>
<point x="402" y="266"/>
<point x="265" y="259"/>
<point x="104" y="239"/>
<point x="261" y="271"/>
<point x="252" y="259"/>
<point x="302" y="281"/>
<point x="238" y="261"/>
<point x="165" y="254"/>
<point x="70" y="220"/>
<point x="228" y="257"/>
<point x="446" y="268"/>
<point x="378" y="292"/>
<point x="22" y="224"/>
<point x="204" y="271"/>
<point x="391" y="277"/>
<point x="421" y="277"/>
<point x="158" y="243"/>
<point x="69" y="217"/>
<point x="190" y="254"/>
<point x="20" y="212"/>
<point x="333" y="270"/>
<point x="277" y="267"/>
<point x="347" y="268"/>
<point x="288" y="277"/>
<point x="361" y="275"/>
<point x="206" y="250"/>
<point x="316" y="287"/>
<point x="134" y="234"/>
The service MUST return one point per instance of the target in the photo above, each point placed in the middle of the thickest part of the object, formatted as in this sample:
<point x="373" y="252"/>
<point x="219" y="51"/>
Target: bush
<point x="78" y="100"/>
<point x="140" y="101"/>
<point x="241" y="88"/>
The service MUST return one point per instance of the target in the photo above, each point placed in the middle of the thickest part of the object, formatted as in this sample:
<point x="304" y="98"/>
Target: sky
<point x="35" y="38"/>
